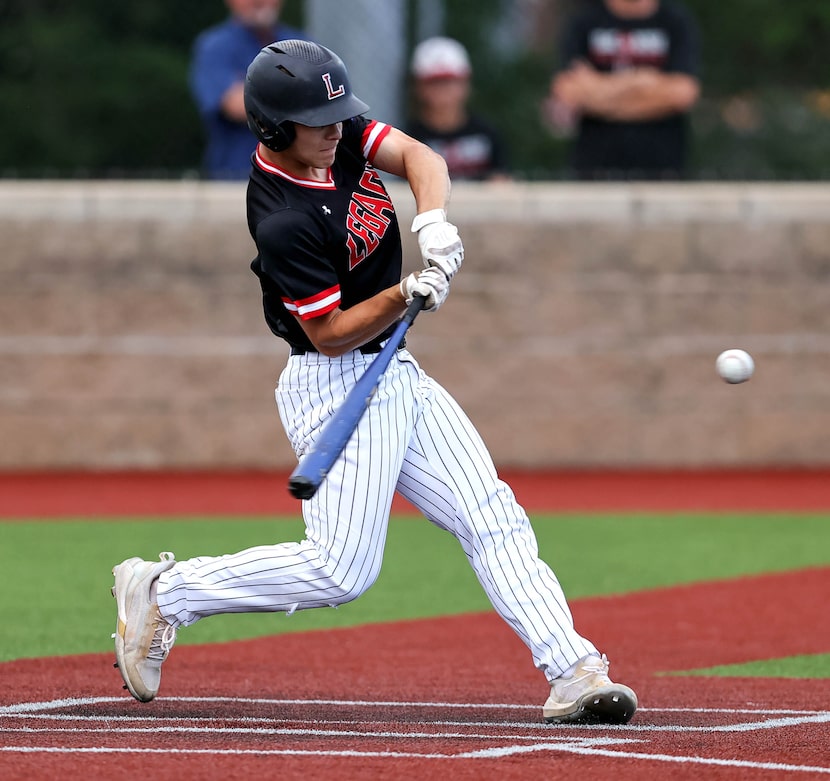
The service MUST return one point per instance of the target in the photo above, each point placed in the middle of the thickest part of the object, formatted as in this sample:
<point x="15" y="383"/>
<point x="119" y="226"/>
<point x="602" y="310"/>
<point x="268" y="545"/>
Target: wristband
<point x="427" y="218"/>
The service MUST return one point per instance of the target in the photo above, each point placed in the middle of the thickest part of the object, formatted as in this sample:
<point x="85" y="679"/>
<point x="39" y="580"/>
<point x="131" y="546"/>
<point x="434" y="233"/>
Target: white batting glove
<point x="439" y="242"/>
<point x="431" y="283"/>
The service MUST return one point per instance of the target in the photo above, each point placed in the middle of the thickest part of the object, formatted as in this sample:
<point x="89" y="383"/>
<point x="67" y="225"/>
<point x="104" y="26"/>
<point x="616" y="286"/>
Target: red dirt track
<point x="64" y="494"/>
<point x="327" y="692"/>
<point x="454" y="697"/>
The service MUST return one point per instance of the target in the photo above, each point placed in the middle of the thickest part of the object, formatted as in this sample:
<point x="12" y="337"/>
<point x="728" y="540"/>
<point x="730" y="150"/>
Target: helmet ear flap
<point x="276" y="137"/>
<point x="282" y="137"/>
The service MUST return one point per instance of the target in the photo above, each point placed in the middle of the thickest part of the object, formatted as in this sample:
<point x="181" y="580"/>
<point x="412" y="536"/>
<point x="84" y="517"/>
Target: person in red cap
<point x="441" y="80"/>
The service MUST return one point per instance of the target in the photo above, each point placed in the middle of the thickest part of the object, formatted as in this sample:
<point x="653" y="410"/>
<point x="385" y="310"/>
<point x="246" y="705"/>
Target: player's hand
<point x="431" y="283"/>
<point x="439" y="242"/>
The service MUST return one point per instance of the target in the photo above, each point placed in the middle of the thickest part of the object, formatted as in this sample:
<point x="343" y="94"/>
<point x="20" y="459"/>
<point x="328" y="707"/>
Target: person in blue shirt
<point x="221" y="56"/>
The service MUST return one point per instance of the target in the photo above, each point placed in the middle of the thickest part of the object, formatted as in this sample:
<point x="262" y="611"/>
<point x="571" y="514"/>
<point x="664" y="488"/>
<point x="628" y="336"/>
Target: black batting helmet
<point x="296" y="81"/>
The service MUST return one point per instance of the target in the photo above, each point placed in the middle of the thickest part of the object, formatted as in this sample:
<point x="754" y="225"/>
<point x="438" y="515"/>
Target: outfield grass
<point x="808" y="666"/>
<point x="56" y="574"/>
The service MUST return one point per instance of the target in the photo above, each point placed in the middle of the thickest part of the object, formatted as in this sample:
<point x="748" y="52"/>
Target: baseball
<point x="735" y="366"/>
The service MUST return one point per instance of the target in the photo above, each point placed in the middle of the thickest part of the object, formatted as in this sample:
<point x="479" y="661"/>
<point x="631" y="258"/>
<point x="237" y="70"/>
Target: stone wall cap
<point x="555" y="202"/>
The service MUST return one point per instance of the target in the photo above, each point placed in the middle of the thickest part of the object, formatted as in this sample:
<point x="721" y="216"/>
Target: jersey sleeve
<point x="573" y="43"/>
<point x="364" y="136"/>
<point x="292" y="256"/>
<point x="684" y="56"/>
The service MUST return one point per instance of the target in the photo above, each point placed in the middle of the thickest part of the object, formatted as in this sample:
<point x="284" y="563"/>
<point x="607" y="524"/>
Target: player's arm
<point x="424" y="169"/>
<point x="342" y="330"/>
<point x="426" y="172"/>
<point x="291" y="254"/>
<point x="339" y="331"/>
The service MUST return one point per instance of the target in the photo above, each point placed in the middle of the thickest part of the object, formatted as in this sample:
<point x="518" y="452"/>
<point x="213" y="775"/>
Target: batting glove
<point x="430" y="283"/>
<point x="439" y="242"/>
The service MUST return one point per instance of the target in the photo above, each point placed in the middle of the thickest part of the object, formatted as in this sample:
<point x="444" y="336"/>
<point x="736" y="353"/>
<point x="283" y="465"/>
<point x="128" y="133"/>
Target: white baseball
<point x="735" y="366"/>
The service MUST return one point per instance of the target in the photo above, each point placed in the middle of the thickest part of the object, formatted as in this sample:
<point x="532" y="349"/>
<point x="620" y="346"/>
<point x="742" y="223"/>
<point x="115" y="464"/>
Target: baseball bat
<point x="314" y="465"/>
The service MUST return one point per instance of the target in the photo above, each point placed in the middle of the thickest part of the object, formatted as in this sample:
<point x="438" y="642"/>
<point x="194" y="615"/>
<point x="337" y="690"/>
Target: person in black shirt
<point x="629" y="78"/>
<point x="471" y="146"/>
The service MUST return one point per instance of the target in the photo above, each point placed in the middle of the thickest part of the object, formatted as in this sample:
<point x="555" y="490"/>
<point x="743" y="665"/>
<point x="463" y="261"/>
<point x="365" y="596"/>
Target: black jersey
<point x="323" y="245"/>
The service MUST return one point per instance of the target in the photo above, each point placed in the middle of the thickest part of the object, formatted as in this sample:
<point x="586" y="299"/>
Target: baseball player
<point x="329" y="264"/>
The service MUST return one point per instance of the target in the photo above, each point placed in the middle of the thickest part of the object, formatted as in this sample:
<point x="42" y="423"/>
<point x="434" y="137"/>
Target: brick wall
<point x="582" y="332"/>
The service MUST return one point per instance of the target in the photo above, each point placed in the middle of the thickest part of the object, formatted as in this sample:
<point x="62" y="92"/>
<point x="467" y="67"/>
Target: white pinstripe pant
<point x="414" y="439"/>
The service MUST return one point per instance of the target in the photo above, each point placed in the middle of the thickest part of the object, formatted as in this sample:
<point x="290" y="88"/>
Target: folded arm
<point x="632" y="95"/>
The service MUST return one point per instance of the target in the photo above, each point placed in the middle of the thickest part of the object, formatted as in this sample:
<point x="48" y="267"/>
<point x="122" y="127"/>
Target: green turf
<point x="810" y="666"/>
<point x="56" y="575"/>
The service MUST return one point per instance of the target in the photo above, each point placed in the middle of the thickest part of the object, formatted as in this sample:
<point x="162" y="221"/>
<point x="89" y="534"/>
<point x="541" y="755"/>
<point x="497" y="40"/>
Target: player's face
<point x="316" y="146"/>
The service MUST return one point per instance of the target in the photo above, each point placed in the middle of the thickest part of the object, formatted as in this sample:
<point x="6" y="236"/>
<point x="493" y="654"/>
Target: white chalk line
<point x="70" y="702"/>
<point x="158" y="721"/>
<point x="227" y="752"/>
<point x="327" y="733"/>
<point x="504" y="751"/>
<point x="573" y="744"/>
<point x="592" y="751"/>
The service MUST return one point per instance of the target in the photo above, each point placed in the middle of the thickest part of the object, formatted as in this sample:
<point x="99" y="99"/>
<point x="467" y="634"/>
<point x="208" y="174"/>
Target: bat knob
<point x="301" y="487"/>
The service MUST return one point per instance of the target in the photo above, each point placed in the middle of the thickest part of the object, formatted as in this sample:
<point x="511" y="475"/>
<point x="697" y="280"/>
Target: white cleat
<point x="588" y="695"/>
<point x="143" y="638"/>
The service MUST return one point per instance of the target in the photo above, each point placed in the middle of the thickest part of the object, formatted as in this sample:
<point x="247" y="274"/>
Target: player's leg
<point x="346" y="525"/>
<point x="346" y="520"/>
<point x="449" y="475"/>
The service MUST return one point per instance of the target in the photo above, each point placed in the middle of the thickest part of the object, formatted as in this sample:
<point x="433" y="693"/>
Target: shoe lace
<point x="592" y="666"/>
<point x="162" y="642"/>
<point x="601" y="665"/>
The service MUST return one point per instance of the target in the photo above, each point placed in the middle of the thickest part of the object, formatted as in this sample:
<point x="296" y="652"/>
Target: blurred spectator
<point x="628" y="81"/>
<point x="221" y="56"/>
<point x="441" y="74"/>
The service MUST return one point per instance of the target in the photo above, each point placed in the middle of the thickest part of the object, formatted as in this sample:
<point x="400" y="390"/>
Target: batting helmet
<point x="296" y="81"/>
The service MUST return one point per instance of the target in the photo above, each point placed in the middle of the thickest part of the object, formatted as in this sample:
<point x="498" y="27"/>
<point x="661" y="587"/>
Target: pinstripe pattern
<point x="414" y="439"/>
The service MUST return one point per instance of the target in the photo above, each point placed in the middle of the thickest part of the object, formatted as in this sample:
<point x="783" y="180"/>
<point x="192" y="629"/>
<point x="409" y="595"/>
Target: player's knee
<point x="349" y="587"/>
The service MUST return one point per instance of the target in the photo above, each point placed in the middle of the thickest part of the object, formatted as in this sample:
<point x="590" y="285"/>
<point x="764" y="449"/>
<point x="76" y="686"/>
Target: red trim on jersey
<point x="303" y="182"/>
<point x="373" y="134"/>
<point x="319" y="304"/>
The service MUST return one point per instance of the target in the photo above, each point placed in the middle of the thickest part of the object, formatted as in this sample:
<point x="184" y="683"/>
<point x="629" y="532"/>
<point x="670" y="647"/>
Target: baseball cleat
<point x="143" y="638"/>
<point x="589" y="696"/>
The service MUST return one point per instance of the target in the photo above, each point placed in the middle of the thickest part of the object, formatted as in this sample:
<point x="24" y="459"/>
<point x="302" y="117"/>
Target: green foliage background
<point x="57" y="574"/>
<point x="765" y="107"/>
<point x="99" y="89"/>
